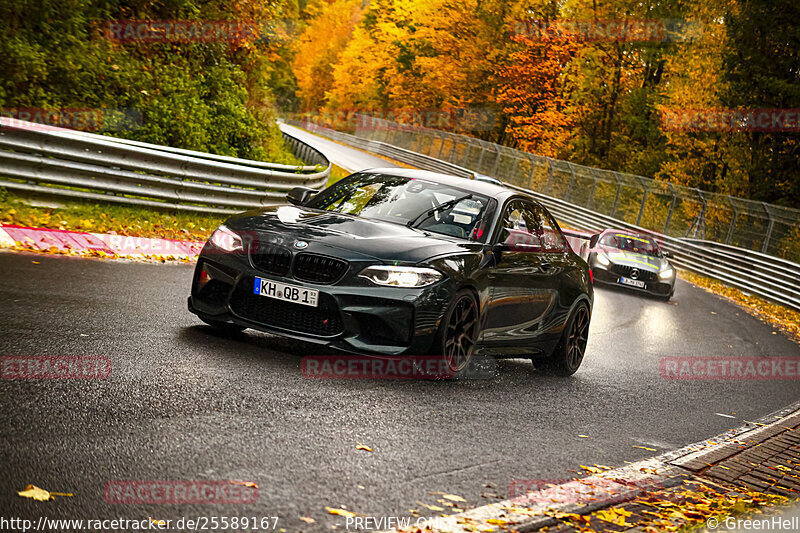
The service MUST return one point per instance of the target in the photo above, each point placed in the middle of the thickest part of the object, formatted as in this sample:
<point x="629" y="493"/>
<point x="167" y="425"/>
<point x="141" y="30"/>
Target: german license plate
<point x="288" y="293"/>
<point x="632" y="282"/>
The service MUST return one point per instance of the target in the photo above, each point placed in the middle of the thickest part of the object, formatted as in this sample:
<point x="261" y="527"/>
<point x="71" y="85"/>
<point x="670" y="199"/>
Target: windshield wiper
<point x="436" y="208"/>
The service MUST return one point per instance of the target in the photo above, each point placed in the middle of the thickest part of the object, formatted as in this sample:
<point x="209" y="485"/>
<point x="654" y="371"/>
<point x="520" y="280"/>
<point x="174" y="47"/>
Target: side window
<point x="551" y="237"/>
<point x="521" y="229"/>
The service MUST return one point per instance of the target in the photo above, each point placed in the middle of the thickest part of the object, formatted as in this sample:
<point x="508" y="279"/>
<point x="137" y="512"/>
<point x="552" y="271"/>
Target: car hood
<point x="640" y="261"/>
<point x="346" y="236"/>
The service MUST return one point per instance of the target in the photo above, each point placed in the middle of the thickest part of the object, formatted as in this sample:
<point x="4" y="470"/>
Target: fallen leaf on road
<point x="340" y="512"/>
<point x="583" y="436"/>
<point x="40" y="495"/>
<point x="596" y="469"/>
<point x="497" y="522"/>
<point x="431" y="507"/>
<point x="250" y="484"/>
<point x="307" y="519"/>
<point x="453" y="497"/>
<point x="615" y="515"/>
<point x="360" y="446"/>
<point x="646" y="448"/>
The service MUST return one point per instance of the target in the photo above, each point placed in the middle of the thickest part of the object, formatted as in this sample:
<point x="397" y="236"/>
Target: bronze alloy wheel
<point x="576" y="340"/>
<point x="568" y="354"/>
<point x="461" y="333"/>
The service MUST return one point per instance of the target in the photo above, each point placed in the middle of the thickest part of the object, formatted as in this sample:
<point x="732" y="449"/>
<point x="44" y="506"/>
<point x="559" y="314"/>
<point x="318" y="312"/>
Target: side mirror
<point x="300" y="195"/>
<point x="666" y="254"/>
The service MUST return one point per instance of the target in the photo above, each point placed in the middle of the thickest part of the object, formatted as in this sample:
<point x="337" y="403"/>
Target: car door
<point x="523" y="277"/>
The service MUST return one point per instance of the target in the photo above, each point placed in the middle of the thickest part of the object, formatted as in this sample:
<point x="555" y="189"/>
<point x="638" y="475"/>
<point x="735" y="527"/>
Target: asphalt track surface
<point x="186" y="403"/>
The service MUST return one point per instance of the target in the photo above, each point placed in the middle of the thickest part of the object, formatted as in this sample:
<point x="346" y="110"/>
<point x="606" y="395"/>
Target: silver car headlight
<point x="602" y="259"/>
<point x="225" y="239"/>
<point x="400" y="276"/>
<point x="666" y="273"/>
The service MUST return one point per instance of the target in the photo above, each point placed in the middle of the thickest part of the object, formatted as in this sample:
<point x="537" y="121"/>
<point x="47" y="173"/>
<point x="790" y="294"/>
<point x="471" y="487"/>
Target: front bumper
<point x="657" y="286"/>
<point x="353" y="315"/>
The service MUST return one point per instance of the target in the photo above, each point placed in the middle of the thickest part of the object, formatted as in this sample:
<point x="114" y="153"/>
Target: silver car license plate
<point x="289" y="293"/>
<point x="632" y="282"/>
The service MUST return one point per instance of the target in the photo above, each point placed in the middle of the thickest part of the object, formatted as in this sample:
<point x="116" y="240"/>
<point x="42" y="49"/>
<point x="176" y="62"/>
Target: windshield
<point x="408" y="201"/>
<point x="631" y="243"/>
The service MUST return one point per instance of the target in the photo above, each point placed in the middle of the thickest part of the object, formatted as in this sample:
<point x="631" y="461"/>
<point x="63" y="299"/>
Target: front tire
<point x="458" y="333"/>
<point x="568" y="354"/>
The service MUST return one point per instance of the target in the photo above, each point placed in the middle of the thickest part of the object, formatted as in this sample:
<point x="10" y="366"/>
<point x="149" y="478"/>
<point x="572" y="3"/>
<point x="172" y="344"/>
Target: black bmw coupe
<point x="393" y="262"/>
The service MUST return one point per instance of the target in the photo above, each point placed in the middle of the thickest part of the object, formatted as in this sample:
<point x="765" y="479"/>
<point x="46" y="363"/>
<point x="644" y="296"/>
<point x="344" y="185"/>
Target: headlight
<point x="666" y="273"/>
<point x="602" y="259"/>
<point x="401" y="276"/>
<point x="225" y="239"/>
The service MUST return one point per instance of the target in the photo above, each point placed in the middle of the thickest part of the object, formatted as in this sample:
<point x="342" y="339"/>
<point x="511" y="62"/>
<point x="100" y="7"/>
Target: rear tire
<point x="227" y="328"/>
<point x="458" y="333"/>
<point x="571" y="349"/>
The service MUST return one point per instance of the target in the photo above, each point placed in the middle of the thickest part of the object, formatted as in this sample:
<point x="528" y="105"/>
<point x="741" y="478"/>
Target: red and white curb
<point x="86" y="244"/>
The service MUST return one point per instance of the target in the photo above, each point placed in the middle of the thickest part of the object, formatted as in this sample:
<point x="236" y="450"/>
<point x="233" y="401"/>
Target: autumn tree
<point x="321" y="44"/>
<point x="532" y="93"/>
<point x="762" y="71"/>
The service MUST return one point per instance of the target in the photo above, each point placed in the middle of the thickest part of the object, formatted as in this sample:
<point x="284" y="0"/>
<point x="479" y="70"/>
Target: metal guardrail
<point x="773" y="278"/>
<point x="58" y="162"/>
<point x="661" y="206"/>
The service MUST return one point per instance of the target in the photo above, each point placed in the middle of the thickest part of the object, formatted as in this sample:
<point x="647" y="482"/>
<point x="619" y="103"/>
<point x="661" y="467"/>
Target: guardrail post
<point x="480" y="160"/>
<point x="571" y="182"/>
<point x="530" y="174"/>
<point x="441" y="146"/>
<point x="514" y="168"/>
<point x="550" y="175"/>
<point x="765" y="246"/>
<point x="733" y="221"/>
<point x="616" y="196"/>
<point x="641" y="208"/>
<point x="467" y="148"/>
<point x="591" y="192"/>
<point x="496" y="162"/>
<point x="671" y="207"/>
<point x="452" y="155"/>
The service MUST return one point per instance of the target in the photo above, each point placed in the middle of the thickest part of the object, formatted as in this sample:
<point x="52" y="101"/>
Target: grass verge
<point x="106" y="218"/>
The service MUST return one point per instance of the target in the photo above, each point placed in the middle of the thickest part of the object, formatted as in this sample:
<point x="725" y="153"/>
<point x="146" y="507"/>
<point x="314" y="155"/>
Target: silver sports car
<point x="632" y="260"/>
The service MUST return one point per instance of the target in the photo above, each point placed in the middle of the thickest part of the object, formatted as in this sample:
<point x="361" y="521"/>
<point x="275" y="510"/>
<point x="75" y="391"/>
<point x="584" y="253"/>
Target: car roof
<point x="643" y="235"/>
<point x="480" y="187"/>
<point x="627" y="232"/>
